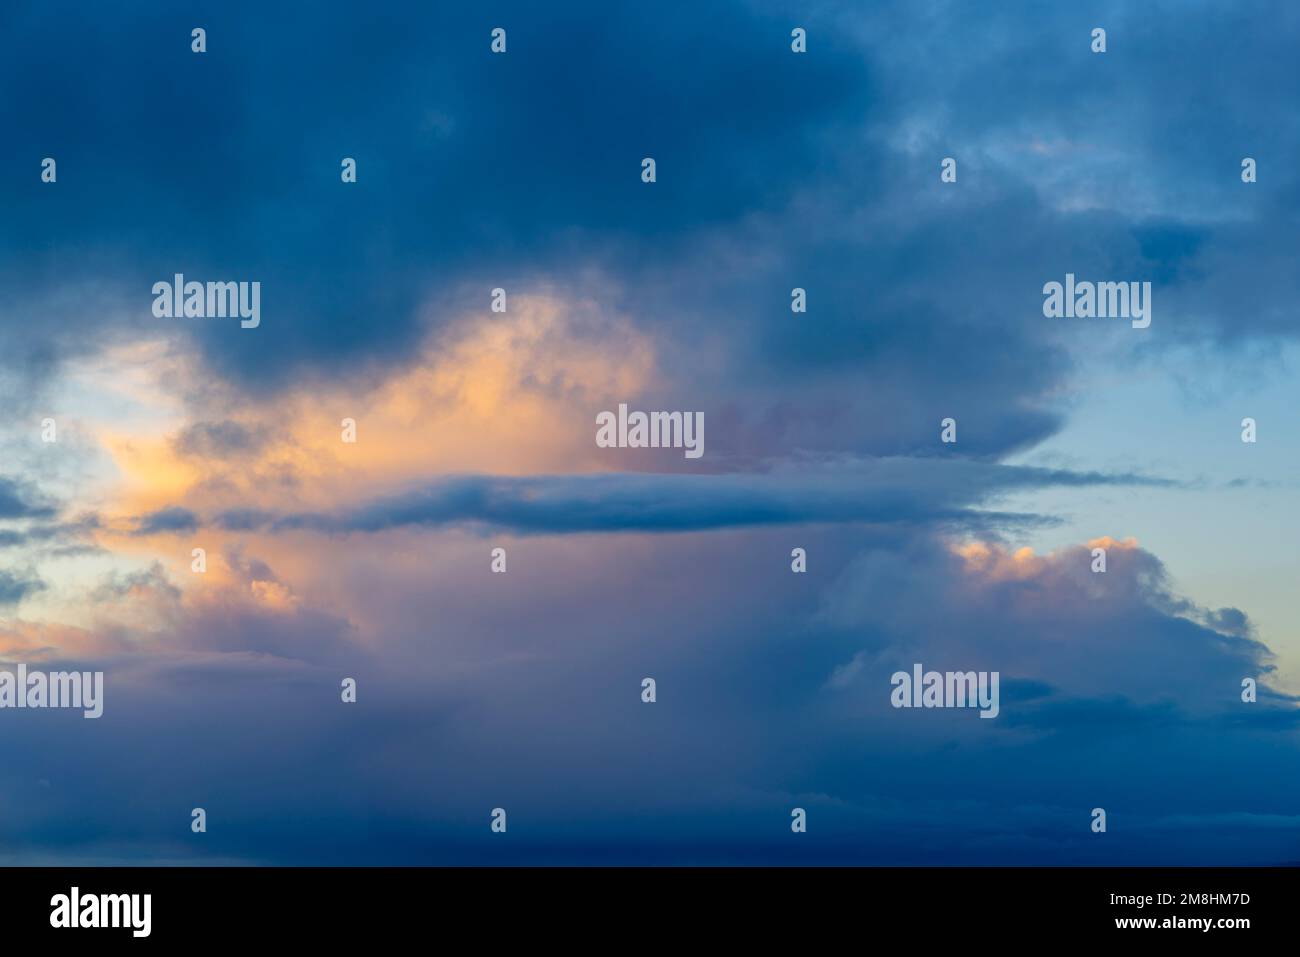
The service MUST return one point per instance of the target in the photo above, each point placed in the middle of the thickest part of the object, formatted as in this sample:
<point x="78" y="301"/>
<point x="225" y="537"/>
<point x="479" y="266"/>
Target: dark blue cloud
<point x="775" y="170"/>
<point x="226" y="165"/>
<point x="59" y="535"/>
<point x="887" y="490"/>
<point x="171" y="519"/>
<point x="18" y="500"/>
<point x="17" y="585"/>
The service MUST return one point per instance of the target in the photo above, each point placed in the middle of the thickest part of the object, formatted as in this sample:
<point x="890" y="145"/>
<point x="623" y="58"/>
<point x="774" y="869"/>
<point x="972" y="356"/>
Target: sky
<point x="476" y="430"/>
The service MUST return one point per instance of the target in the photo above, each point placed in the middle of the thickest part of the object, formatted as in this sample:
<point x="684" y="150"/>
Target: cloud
<point x="19" y="500"/>
<point x="220" y="439"/>
<point x="118" y="586"/>
<point x="286" y="220"/>
<point x="53" y="535"/>
<point x="888" y="490"/>
<point x="775" y="171"/>
<point x="1101" y="642"/>
<point x="17" y="585"/>
<point x="1111" y="698"/>
<point x="830" y="185"/>
<point x="172" y="519"/>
